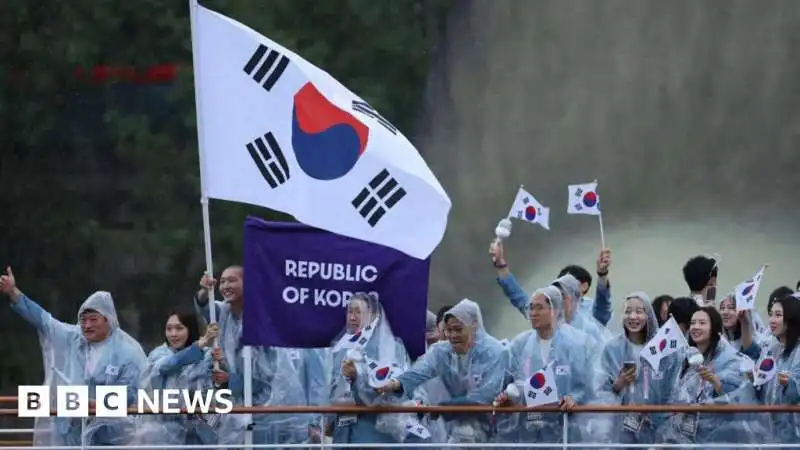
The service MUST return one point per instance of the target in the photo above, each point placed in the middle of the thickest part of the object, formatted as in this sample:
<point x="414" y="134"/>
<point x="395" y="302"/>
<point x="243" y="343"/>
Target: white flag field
<point x="278" y="132"/>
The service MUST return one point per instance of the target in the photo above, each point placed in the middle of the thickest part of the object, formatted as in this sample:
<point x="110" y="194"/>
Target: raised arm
<point x="601" y="308"/>
<point x="31" y="312"/>
<point x="513" y="292"/>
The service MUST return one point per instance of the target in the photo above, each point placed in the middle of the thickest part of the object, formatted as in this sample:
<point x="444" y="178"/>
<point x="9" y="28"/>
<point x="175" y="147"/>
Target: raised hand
<point x="8" y="285"/>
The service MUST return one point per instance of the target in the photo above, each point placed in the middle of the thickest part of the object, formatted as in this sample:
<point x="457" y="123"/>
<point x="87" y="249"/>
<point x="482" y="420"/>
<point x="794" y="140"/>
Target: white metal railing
<point x="565" y="444"/>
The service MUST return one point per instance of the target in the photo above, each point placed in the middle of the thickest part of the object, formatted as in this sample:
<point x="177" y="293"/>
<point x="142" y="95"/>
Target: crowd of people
<point x="463" y="365"/>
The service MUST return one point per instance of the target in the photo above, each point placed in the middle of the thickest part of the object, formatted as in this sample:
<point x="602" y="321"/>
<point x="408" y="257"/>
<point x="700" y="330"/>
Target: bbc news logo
<point x="111" y="401"/>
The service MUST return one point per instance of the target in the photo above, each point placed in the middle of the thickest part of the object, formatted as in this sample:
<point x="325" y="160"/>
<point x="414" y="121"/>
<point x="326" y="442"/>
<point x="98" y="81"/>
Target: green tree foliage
<point x="100" y="182"/>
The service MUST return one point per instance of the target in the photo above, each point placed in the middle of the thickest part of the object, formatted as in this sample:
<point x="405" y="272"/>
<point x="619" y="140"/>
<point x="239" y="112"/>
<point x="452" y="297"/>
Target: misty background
<point x="686" y="112"/>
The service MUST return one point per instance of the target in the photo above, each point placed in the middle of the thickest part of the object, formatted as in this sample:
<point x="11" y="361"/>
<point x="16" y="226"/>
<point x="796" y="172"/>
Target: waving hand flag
<point x="380" y="373"/>
<point x="765" y="368"/>
<point x="668" y="340"/>
<point x="281" y="133"/>
<point x="746" y="292"/>
<point x="528" y="209"/>
<point x="540" y="388"/>
<point x="583" y="199"/>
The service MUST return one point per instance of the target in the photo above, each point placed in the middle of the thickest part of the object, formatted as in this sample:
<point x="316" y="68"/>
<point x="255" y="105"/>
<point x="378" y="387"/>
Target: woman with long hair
<point x="710" y="368"/>
<point x="625" y="378"/>
<point x="784" y="353"/>
<point x="739" y="328"/>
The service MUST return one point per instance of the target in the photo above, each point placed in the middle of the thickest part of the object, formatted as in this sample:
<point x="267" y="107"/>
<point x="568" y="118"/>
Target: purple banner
<point x="298" y="280"/>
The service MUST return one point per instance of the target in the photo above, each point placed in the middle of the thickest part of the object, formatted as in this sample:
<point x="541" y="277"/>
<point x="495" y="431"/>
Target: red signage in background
<point x="158" y="74"/>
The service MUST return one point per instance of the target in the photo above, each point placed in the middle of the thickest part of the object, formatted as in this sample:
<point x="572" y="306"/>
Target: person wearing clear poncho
<point x="228" y="365"/>
<point x="625" y="378"/>
<point x="784" y="387"/>
<point x="95" y="352"/>
<point x="280" y="376"/>
<point x="433" y="391"/>
<point x="364" y="357"/>
<point x="569" y="352"/>
<point x="183" y="362"/>
<point x="570" y="289"/>
<point x="574" y="312"/>
<point x="708" y="371"/>
<point x="471" y="365"/>
<point x="598" y="309"/>
<point x="740" y="328"/>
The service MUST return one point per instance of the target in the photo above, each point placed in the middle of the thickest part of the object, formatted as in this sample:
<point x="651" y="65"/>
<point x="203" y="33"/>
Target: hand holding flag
<point x="765" y="368"/>
<point x="379" y="373"/>
<point x="540" y="388"/>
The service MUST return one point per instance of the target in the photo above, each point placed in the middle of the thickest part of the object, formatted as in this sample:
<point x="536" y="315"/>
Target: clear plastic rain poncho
<point x="232" y="426"/>
<point x="472" y="378"/>
<point x="651" y="387"/>
<point x="299" y="379"/>
<point x="760" y="333"/>
<point x="581" y="319"/>
<point x="570" y="353"/>
<point x="378" y="356"/>
<point x="689" y="388"/>
<point x="186" y="369"/>
<point x="69" y="359"/>
<point x="784" y="427"/>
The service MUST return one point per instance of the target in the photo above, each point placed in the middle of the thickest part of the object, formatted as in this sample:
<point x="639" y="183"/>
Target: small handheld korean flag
<point x="380" y="373"/>
<point x="668" y="340"/>
<point x="417" y="429"/>
<point x="583" y="199"/>
<point x="276" y="131"/>
<point x="765" y="368"/>
<point x="746" y="292"/>
<point x="528" y="209"/>
<point x="541" y="389"/>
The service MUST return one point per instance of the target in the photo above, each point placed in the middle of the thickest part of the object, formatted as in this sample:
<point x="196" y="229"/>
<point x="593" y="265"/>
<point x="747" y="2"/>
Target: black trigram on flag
<point x="653" y="350"/>
<point x="373" y="365"/>
<point x="362" y="341"/>
<point x="268" y="156"/>
<point x="579" y="192"/>
<point x="673" y="344"/>
<point x="378" y="197"/>
<point x="364" y="108"/>
<point x="532" y="395"/>
<point x="577" y="206"/>
<point x="258" y="67"/>
<point x="548" y="390"/>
